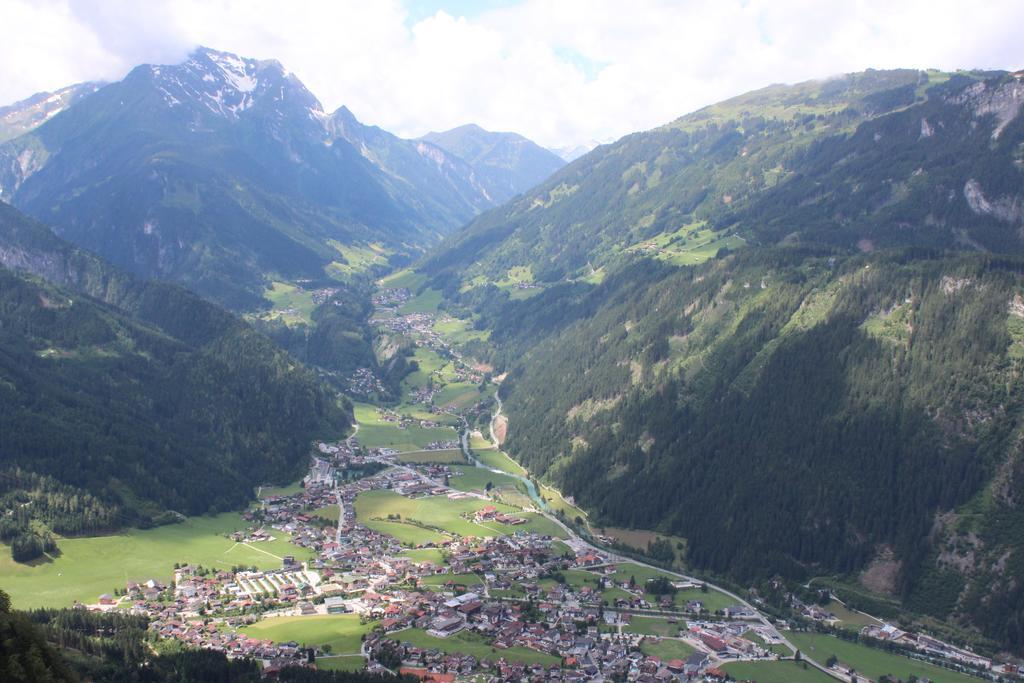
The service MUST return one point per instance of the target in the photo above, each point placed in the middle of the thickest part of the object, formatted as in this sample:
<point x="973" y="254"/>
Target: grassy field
<point x="472" y="478"/>
<point x="291" y="304"/>
<point x="89" y="567"/>
<point x="343" y="663"/>
<point x="271" y="491"/>
<point x="404" y="278"/>
<point x="553" y="497"/>
<point x="453" y="457"/>
<point x="472" y="644"/>
<point x="499" y="461"/>
<point x="439" y="580"/>
<point x="869" y="661"/>
<point x="358" y="259"/>
<point x="459" y="395"/>
<point x="329" y="512"/>
<point x="425" y="555"/>
<point x="426" y="301"/>
<point x="851" y="617"/>
<point x="459" y="330"/>
<point x="712" y="599"/>
<point x="653" y="626"/>
<point x="374" y="432"/>
<point x="479" y="443"/>
<point x="439" y="512"/>
<point x="776" y="672"/>
<point x="341" y="632"/>
<point x="666" y="649"/>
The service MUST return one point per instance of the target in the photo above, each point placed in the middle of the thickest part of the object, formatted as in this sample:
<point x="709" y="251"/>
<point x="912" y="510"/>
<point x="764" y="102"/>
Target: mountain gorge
<point x="222" y="173"/>
<point x="785" y="328"/>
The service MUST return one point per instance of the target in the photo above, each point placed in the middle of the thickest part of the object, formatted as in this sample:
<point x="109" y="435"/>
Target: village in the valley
<point x="529" y="593"/>
<point x="430" y="577"/>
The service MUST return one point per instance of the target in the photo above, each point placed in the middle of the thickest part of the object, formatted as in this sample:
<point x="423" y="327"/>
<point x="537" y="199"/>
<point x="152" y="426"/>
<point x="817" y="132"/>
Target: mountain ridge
<point x="785" y="330"/>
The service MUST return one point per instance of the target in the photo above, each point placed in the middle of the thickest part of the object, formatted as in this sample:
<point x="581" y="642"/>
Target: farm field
<point x="373" y="507"/>
<point x="776" y="672"/>
<point x="666" y="649"/>
<point x="329" y="512"/>
<point x="426" y="301"/>
<point x="287" y="490"/>
<point x="460" y="395"/>
<point x="653" y="626"/>
<point x="425" y="555"/>
<point x="479" y="443"/>
<point x="498" y="460"/>
<point x="90" y="566"/>
<point x="403" y="278"/>
<point x="292" y="305"/>
<point x="472" y="478"/>
<point x="439" y="580"/>
<point x="453" y="456"/>
<point x="869" y="661"/>
<point x="558" y="503"/>
<point x="472" y="644"/>
<point x="712" y="599"/>
<point x="341" y="632"/>
<point x="342" y="663"/>
<point x="375" y="433"/>
<point x="851" y="617"/>
<point x="459" y="330"/>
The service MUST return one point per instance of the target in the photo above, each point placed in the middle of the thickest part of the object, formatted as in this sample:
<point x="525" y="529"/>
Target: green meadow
<point x="498" y="460"/>
<point x="870" y="661"/>
<point x="776" y="672"/>
<point x="472" y="644"/>
<point x="342" y="632"/>
<point x="437" y="581"/>
<point x="341" y="663"/>
<point x="90" y="566"/>
<point x="446" y="457"/>
<point x="434" y="555"/>
<point x="374" y="432"/>
<point x="666" y="649"/>
<point x="293" y="305"/>
<point x="439" y="513"/>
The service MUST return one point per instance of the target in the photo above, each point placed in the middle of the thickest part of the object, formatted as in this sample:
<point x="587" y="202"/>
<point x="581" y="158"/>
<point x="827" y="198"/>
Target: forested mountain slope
<point x="121" y="400"/>
<point x="787" y="328"/>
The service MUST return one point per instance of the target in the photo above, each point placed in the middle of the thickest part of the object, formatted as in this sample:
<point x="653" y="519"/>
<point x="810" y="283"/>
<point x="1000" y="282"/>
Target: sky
<point x="562" y="72"/>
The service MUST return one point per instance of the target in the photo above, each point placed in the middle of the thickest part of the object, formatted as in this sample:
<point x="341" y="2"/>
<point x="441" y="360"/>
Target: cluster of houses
<point x="391" y="297"/>
<point x="507" y="590"/>
<point x="323" y="294"/>
<point x="364" y="382"/>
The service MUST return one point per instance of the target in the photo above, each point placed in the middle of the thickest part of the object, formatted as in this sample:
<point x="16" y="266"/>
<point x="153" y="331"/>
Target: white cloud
<point x="515" y="68"/>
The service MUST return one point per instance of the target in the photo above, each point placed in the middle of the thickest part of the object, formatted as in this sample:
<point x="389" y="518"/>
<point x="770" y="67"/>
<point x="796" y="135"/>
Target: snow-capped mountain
<point x="221" y="170"/>
<point x="21" y="117"/>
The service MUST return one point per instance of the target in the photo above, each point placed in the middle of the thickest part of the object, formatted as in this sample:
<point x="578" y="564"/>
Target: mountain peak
<point x="227" y="84"/>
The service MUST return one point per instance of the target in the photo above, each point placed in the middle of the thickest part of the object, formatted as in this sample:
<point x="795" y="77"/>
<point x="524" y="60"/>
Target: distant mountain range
<point x="223" y="171"/>
<point x="506" y="164"/>
<point x="28" y="114"/>
<point x="571" y="153"/>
